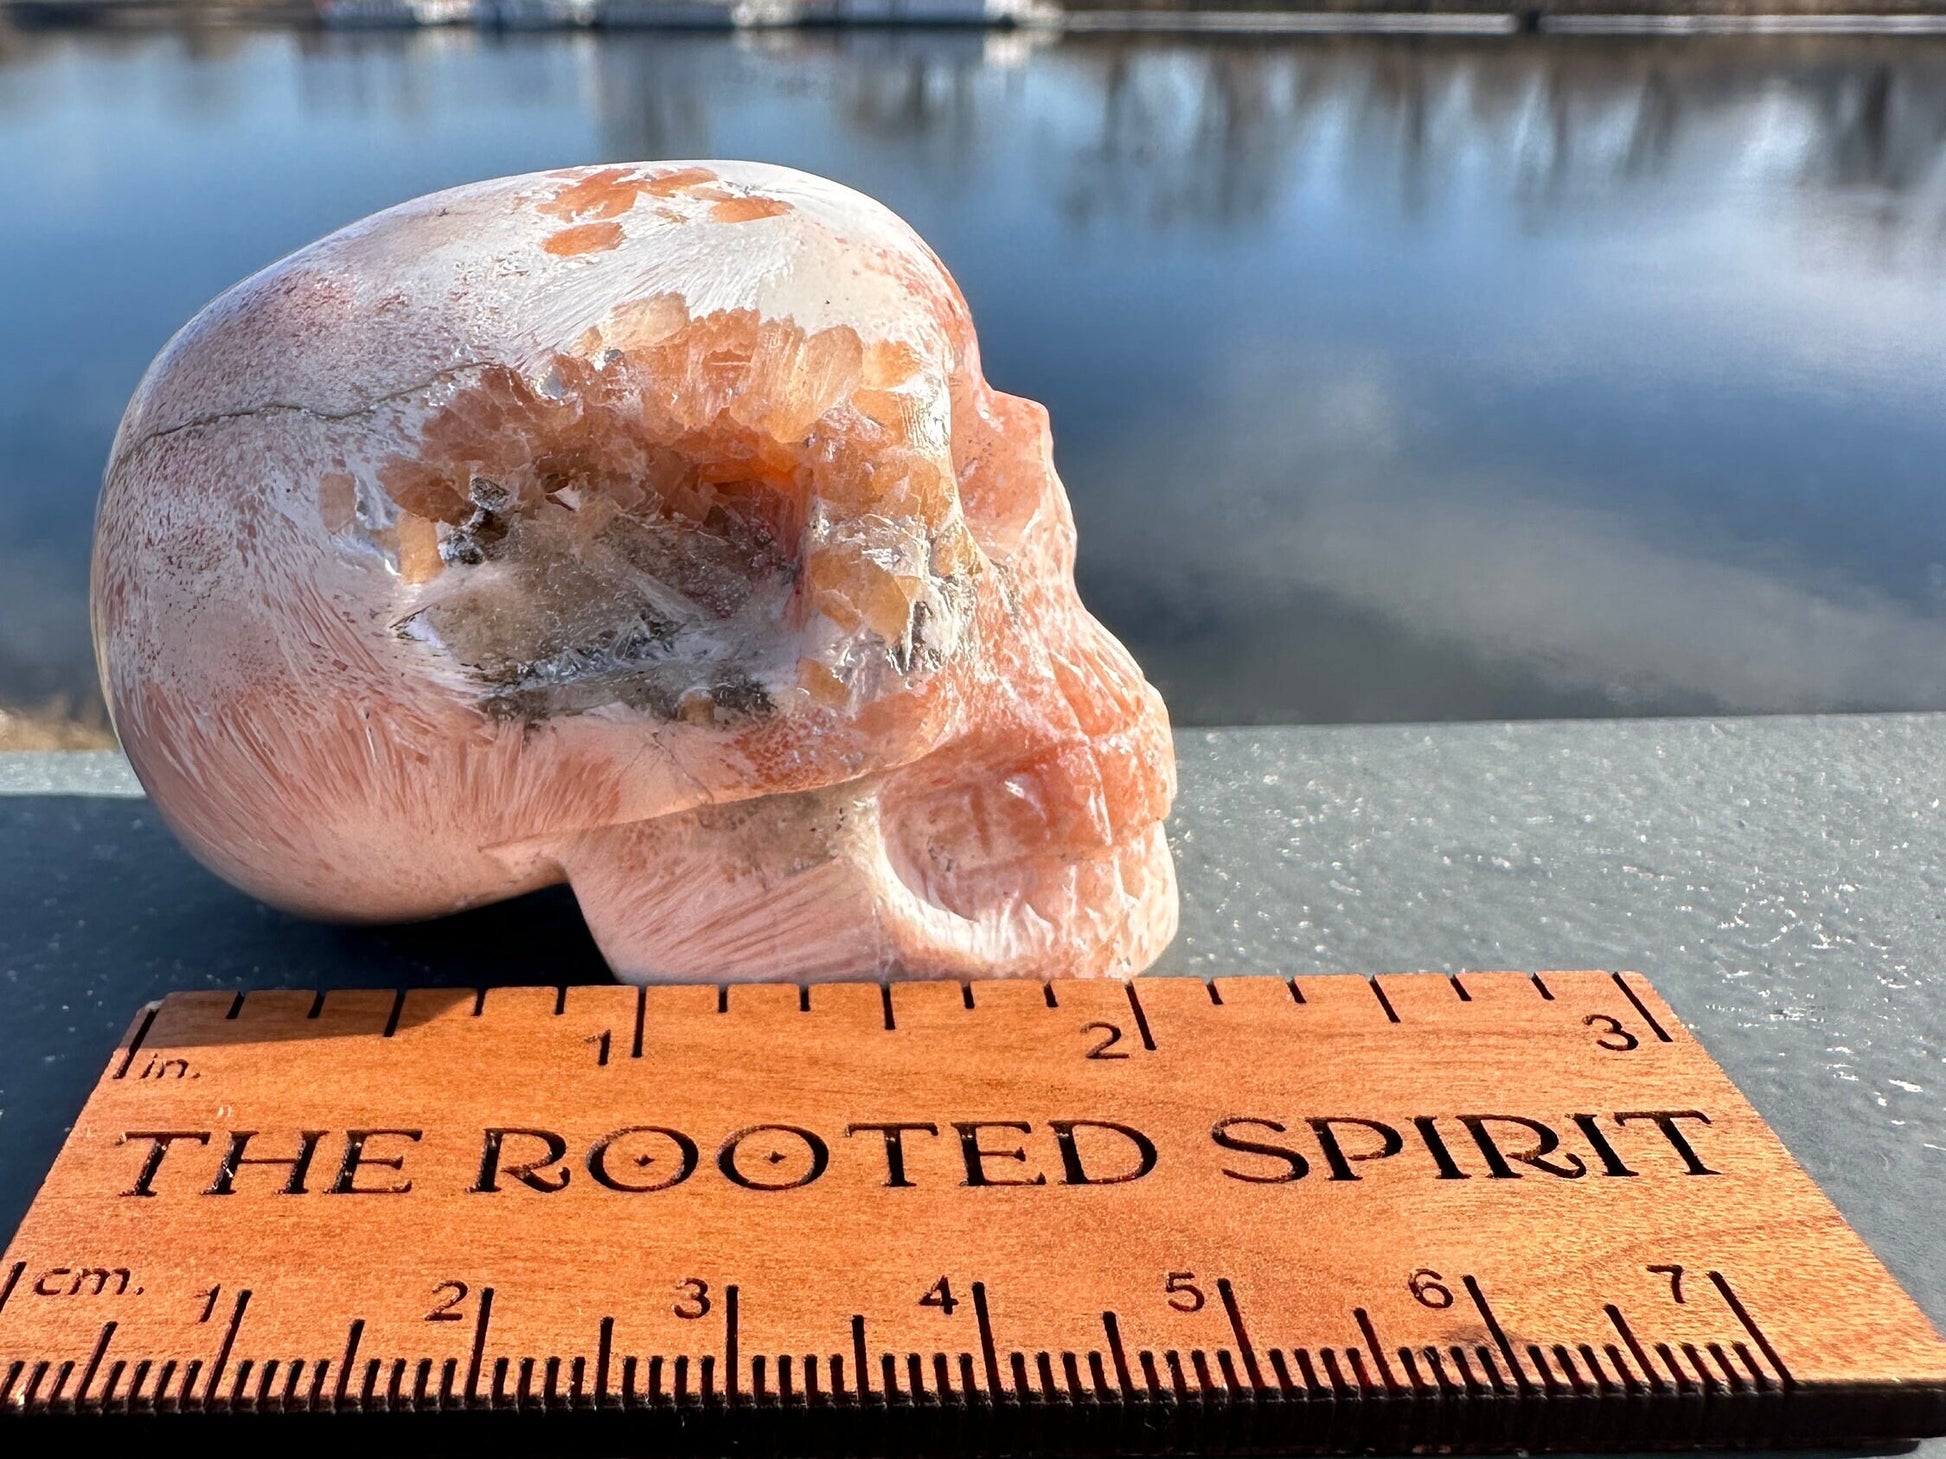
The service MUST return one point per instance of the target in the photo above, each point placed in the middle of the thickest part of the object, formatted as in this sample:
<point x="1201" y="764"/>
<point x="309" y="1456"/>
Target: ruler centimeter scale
<point x="1341" y="1213"/>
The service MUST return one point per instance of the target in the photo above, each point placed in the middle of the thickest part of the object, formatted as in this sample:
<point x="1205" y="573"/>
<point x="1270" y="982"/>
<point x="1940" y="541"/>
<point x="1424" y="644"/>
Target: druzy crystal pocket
<point x="648" y="527"/>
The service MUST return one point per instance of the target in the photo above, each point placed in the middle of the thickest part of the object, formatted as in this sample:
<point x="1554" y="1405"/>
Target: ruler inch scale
<point x="1331" y="1214"/>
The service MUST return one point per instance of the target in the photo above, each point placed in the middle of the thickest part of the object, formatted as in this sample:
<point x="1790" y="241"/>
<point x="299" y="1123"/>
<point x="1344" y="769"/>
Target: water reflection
<point x="1392" y="378"/>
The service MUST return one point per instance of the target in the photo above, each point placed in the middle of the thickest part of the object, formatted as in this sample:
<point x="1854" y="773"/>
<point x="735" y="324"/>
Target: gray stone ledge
<point x="1780" y="880"/>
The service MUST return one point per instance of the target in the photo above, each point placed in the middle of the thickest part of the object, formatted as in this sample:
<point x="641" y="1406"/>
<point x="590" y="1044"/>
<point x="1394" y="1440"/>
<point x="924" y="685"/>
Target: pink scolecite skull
<point x="648" y="527"/>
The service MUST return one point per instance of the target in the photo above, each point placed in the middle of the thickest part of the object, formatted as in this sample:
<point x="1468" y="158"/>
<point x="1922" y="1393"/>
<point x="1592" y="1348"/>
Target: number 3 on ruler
<point x="695" y="1299"/>
<point x="1613" y="1037"/>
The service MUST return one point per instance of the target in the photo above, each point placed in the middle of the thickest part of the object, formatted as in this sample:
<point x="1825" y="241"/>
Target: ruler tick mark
<point x="1723" y="1362"/>
<point x="13" y="1279"/>
<point x="1113" y="1329"/>
<point x="1411" y="1366"/>
<point x="1661" y="1033"/>
<point x="1378" y="992"/>
<point x="1538" y="1360"/>
<point x="479" y="1001"/>
<point x="352" y="1336"/>
<point x="1460" y="989"/>
<point x="641" y="1018"/>
<point x="1499" y="1336"/>
<point x="317" y="1004"/>
<point x="229" y="1341"/>
<point x="604" y="1355"/>
<point x="236" y="1007"/>
<point x="988" y="1355"/>
<point x="1673" y="1368"/>
<point x="392" y="1019"/>
<point x="1364" y="1320"/>
<point x="731" y="1378"/>
<point x="1047" y="995"/>
<point x="157" y="1399"/>
<point x="472" y="1391"/>
<point x="1244" y="1347"/>
<point x="1228" y="1370"/>
<point x="1541" y="988"/>
<point x="1097" y="1377"/>
<point x="1635" y="1348"/>
<point x="1355" y="1360"/>
<point x="94" y="1363"/>
<point x="560" y="1000"/>
<point x="885" y="1003"/>
<point x="1215" y="996"/>
<point x="1333" y="1373"/>
<point x="1283" y="1372"/>
<point x="1630" y="1383"/>
<point x="1141" y="1018"/>
<point x="1589" y="1356"/>
<point x="803" y="997"/>
<point x="141" y="1033"/>
<point x="1297" y="993"/>
<point x="1722" y="1285"/>
<point x="1466" y="1372"/>
<point x="965" y="994"/>
<point x="858" y="1356"/>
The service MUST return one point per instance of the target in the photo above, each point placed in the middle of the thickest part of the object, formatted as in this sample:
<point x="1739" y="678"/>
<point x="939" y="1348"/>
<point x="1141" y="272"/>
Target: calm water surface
<point x="1391" y="378"/>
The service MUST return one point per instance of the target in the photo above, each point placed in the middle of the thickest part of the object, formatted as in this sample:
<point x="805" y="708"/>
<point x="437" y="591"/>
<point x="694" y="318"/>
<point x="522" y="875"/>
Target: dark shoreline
<point x="1227" y="17"/>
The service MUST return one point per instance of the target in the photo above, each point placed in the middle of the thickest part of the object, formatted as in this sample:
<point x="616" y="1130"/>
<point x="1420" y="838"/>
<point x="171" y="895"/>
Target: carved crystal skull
<point x="649" y="527"/>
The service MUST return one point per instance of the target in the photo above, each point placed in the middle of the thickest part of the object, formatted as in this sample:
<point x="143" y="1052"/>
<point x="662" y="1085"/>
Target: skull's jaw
<point x="803" y="888"/>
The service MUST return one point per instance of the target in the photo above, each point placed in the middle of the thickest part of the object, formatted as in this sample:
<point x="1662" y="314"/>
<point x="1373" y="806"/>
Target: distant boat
<point x="925" y="12"/>
<point x="771" y="14"/>
<point x="535" y="14"/>
<point x="696" y="14"/>
<point x="369" y="14"/>
<point x="678" y="14"/>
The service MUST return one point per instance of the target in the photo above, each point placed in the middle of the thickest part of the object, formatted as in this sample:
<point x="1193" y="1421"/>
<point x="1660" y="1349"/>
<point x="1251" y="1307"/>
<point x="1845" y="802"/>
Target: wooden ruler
<point x="1341" y="1213"/>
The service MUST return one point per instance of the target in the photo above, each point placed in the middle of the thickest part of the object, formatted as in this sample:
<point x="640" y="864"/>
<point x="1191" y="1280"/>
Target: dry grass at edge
<point x="52" y="728"/>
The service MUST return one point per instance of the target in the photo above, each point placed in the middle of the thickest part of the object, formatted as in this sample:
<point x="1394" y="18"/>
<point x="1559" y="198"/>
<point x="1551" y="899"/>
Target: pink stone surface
<point x="647" y="527"/>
